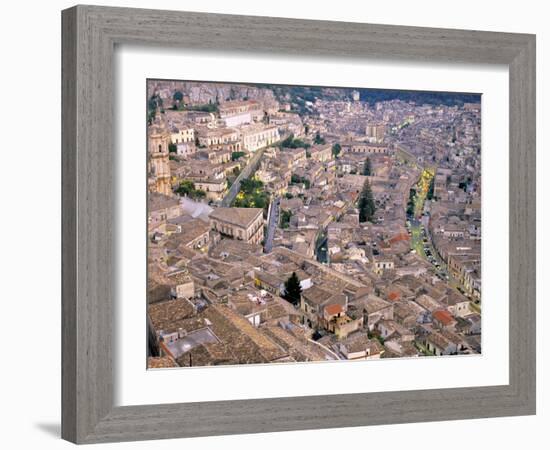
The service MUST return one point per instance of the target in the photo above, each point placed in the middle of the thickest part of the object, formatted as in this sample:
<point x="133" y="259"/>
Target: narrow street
<point x="321" y="248"/>
<point x="272" y="222"/>
<point x="421" y="240"/>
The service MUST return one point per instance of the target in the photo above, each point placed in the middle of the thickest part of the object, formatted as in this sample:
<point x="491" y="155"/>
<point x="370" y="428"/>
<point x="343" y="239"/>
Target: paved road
<point x="272" y="222"/>
<point x="245" y="173"/>
<point x="421" y="241"/>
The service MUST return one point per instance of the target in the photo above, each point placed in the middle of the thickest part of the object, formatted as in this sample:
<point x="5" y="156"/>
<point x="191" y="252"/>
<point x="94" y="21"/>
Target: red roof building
<point x="443" y="318"/>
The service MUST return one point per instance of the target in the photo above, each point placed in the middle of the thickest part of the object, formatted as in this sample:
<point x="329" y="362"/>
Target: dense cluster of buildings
<point x="246" y="191"/>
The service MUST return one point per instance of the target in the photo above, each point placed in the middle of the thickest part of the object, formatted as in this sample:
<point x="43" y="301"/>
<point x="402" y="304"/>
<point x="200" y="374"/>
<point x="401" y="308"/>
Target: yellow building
<point x="182" y="135"/>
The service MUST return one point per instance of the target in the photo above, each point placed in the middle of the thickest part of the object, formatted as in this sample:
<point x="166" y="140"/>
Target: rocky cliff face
<point x="201" y="93"/>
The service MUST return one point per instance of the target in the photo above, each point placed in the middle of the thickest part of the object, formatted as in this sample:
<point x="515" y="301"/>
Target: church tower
<point x="159" y="161"/>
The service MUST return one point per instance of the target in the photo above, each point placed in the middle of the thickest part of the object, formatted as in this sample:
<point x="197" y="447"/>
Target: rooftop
<point x="192" y="229"/>
<point x="157" y="201"/>
<point x="333" y="310"/>
<point x="443" y="316"/>
<point x="241" y="217"/>
<point x="160" y="362"/>
<point x="163" y="314"/>
<point x="361" y="342"/>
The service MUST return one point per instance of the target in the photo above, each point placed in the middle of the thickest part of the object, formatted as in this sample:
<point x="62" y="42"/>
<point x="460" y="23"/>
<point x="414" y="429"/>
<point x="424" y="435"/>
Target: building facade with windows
<point x="245" y="224"/>
<point x="258" y="136"/>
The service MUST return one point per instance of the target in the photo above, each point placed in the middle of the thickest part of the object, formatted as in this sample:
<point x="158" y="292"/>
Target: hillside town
<point x="298" y="224"/>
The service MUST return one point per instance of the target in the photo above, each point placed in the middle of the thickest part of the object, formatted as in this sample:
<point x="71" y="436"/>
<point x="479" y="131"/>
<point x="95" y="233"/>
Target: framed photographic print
<point x="298" y="223"/>
<point x="264" y="230"/>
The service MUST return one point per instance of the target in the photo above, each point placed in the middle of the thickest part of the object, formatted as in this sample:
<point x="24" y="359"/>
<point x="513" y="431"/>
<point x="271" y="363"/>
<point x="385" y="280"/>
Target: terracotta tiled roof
<point x="399" y="237"/>
<point x="443" y="317"/>
<point x="394" y="295"/>
<point x="165" y="313"/>
<point x="333" y="310"/>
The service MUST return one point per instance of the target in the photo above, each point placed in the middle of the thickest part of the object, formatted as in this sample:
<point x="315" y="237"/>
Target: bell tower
<point x="159" y="161"/>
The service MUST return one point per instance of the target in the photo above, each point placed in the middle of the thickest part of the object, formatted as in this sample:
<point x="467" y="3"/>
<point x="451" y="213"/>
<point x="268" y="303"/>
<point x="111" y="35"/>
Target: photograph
<point x="266" y="225"/>
<point x="294" y="224"/>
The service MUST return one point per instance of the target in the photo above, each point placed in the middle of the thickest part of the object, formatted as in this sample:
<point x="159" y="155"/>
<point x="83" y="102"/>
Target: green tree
<point x="154" y="102"/>
<point x="285" y="218"/>
<point x="252" y="195"/>
<point x="178" y="96"/>
<point x="287" y="141"/>
<point x="318" y="139"/>
<point x="411" y="201"/>
<point x="366" y="203"/>
<point x="259" y="200"/>
<point x="172" y="148"/>
<point x="297" y="179"/>
<point x="186" y="187"/>
<point x="367" y="169"/>
<point x="293" y="290"/>
<point x="250" y="185"/>
<point x="291" y="142"/>
<point x="336" y="149"/>
<point x="198" y="194"/>
<point x="236" y="155"/>
<point x="209" y="107"/>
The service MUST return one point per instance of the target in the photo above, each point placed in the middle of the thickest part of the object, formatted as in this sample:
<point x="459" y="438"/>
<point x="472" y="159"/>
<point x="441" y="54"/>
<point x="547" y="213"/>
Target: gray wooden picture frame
<point x="90" y="34"/>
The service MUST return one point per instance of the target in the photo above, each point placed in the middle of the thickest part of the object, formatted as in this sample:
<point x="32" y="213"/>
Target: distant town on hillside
<point x="306" y="224"/>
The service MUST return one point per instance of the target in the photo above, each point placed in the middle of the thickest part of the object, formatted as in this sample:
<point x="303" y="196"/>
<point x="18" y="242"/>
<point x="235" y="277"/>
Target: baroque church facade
<point x="158" y="153"/>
